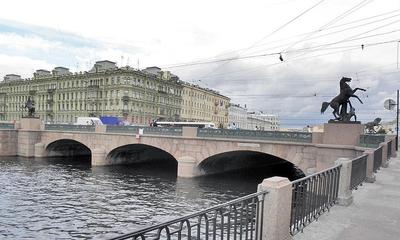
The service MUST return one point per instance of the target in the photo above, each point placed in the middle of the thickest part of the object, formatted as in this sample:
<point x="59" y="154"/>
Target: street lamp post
<point x="397" y="122"/>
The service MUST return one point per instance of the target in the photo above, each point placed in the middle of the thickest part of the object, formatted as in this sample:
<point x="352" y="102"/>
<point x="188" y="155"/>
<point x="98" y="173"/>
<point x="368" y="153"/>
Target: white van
<point x="88" y="121"/>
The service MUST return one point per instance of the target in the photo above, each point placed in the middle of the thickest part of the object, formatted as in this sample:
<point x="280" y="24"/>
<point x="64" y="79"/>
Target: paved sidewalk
<point x="374" y="214"/>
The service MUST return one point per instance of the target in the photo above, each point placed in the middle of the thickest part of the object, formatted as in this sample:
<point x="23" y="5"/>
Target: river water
<point x="65" y="199"/>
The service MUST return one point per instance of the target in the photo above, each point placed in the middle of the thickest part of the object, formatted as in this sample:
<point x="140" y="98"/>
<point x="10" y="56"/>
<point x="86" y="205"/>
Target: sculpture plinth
<point x="340" y="122"/>
<point x="30" y="123"/>
<point x="342" y="133"/>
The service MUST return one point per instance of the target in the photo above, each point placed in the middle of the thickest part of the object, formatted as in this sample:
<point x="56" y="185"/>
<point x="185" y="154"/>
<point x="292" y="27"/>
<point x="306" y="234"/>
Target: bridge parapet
<point x="4" y="125"/>
<point x="371" y="140"/>
<point x="255" y="135"/>
<point x="170" y="131"/>
<point x="69" y="127"/>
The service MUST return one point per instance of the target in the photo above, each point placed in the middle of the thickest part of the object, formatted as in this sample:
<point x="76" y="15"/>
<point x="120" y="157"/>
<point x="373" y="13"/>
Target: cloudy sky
<point x="231" y="46"/>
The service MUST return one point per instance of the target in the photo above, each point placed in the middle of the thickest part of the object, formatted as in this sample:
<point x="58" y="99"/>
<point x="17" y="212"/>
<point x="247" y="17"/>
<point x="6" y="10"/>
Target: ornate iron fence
<point x="258" y="135"/>
<point x="6" y="125"/>
<point x="70" y="127"/>
<point x="171" y="131"/>
<point x="312" y="196"/>
<point x="174" y="131"/>
<point x="371" y="140"/>
<point x="389" y="149"/>
<point x="377" y="159"/>
<point x="238" y="219"/>
<point x="358" y="171"/>
<point x="123" y="129"/>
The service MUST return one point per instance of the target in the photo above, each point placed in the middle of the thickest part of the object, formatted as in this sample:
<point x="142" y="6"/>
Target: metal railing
<point x="358" y="171"/>
<point x="238" y="219"/>
<point x="258" y="135"/>
<point x="312" y="196"/>
<point x="371" y="140"/>
<point x="70" y="127"/>
<point x="170" y="131"/>
<point x="377" y="159"/>
<point x="7" y="126"/>
<point x="389" y="149"/>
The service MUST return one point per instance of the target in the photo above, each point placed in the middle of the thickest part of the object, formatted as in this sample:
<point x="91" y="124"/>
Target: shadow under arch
<point x="142" y="154"/>
<point x="250" y="163"/>
<point x="68" y="148"/>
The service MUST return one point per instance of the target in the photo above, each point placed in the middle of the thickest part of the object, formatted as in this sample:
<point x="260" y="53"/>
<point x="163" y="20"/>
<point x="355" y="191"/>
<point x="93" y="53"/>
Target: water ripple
<point x="59" y="200"/>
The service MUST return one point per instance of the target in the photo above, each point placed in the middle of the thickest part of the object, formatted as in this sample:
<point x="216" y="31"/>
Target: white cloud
<point x="167" y="32"/>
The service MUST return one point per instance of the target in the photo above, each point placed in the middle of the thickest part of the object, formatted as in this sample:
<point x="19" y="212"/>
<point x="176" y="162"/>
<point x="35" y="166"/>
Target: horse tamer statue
<point x="339" y="103"/>
<point x="30" y="105"/>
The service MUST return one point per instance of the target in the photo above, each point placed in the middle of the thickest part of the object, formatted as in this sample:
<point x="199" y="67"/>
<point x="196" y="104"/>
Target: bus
<point x="184" y="124"/>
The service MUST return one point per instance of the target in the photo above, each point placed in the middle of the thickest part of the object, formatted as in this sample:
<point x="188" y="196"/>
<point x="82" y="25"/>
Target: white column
<point x="344" y="196"/>
<point x="277" y="208"/>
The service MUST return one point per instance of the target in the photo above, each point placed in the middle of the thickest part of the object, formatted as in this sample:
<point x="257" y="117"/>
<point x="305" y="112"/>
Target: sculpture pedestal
<point x="342" y="133"/>
<point x="30" y="123"/>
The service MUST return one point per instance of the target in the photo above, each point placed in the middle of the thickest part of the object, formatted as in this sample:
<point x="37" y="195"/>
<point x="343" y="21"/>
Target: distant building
<point x="262" y="121"/>
<point x="204" y="105"/>
<point x="136" y="96"/>
<point x="237" y="116"/>
<point x="389" y="127"/>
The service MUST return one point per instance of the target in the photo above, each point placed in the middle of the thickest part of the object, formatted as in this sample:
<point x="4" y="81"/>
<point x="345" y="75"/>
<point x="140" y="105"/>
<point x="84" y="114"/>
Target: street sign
<point x="389" y="104"/>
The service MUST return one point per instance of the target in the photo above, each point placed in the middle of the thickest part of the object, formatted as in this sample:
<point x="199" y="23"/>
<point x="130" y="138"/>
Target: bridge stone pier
<point x="189" y="150"/>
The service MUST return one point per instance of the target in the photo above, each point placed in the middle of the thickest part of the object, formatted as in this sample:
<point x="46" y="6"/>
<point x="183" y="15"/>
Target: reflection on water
<point x="53" y="198"/>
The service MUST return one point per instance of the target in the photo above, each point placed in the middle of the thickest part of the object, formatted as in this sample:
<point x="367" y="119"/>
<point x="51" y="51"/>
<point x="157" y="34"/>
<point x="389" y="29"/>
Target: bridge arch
<point x="250" y="162"/>
<point x="139" y="153"/>
<point x="67" y="148"/>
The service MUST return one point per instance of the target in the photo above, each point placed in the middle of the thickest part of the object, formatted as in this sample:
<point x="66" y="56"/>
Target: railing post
<point x="277" y="208"/>
<point x="370" y="166"/>
<point x="394" y="153"/>
<point x="344" y="196"/>
<point x="385" y="162"/>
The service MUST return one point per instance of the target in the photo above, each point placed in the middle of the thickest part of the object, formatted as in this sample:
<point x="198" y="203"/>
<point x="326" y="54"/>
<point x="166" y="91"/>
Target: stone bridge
<point x="195" y="154"/>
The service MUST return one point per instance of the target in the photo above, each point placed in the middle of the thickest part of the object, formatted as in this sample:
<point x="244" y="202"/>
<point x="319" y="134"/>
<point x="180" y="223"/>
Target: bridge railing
<point x="358" y="171"/>
<point x="389" y="149"/>
<point x="377" y="159"/>
<point x="170" y="131"/>
<point x="258" y="135"/>
<point x="312" y="196"/>
<point x="6" y="125"/>
<point x="371" y="140"/>
<point x="69" y="127"/>
<point x="238" y="219"/>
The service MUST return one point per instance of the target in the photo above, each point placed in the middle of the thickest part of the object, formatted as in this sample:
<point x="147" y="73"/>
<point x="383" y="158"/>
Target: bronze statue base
<point x="34" y="117"/>
<point x="342" y="122"/>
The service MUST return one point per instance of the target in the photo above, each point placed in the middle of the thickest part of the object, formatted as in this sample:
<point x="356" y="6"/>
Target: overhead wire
<point x="336" y="19"/>
<point x="273" y="32"/>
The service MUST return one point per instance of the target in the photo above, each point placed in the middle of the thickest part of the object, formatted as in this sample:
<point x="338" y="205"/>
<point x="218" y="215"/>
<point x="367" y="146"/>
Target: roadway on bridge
<point x="374" y="214"/>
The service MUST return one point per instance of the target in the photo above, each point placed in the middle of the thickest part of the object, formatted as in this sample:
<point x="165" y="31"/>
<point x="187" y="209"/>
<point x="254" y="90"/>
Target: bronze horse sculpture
<point x="30" y="105"/>
<point x="339" y="103"/>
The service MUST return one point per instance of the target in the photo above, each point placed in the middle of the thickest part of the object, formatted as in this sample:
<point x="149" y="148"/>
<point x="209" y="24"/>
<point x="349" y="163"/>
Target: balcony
<point x="50" y="101"/>
<point x="93" y="87"/>
<point x="49" y="112"/>
<point x="51" y="91"/>
<point x="125" y="98"/>
<point x="32" y="92"/>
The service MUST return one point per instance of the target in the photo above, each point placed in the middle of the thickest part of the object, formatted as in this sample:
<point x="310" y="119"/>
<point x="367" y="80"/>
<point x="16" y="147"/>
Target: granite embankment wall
<point x="8" y="142"/>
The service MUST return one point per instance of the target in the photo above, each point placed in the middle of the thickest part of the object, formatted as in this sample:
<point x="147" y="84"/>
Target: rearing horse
<point x="342" y="99"/>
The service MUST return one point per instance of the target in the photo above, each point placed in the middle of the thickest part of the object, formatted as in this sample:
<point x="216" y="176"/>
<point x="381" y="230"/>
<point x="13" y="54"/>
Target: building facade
<point x="204" y="105"/>
<point x="136" y="96"/>
<point x="262" y="121"/>
<point x="237" y="117"/>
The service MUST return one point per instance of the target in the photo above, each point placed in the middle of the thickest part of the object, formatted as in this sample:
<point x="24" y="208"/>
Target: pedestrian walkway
<point x="374" y="214"/>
